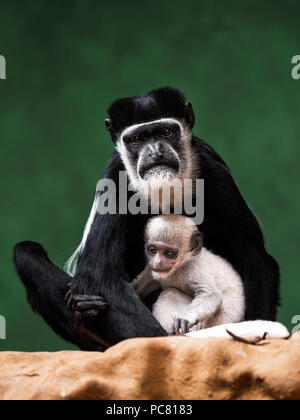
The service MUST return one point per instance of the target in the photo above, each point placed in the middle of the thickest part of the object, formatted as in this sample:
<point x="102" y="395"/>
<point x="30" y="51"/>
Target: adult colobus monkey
<point x="154" y="143"/>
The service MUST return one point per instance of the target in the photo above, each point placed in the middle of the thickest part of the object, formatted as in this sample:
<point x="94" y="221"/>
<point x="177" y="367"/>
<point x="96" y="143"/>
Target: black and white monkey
<point x="154" y="143"/>
<point x="200" y="289"/>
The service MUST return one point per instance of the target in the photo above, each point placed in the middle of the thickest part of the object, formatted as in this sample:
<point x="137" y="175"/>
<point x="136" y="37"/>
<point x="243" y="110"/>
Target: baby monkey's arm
<point x="206" y="302"/>
<point x="144" y="283"/>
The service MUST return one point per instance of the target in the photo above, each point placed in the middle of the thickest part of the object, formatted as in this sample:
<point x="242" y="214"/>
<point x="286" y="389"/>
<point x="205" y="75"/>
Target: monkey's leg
<point x="170" y="310"/>
<point x="46" y="287"/>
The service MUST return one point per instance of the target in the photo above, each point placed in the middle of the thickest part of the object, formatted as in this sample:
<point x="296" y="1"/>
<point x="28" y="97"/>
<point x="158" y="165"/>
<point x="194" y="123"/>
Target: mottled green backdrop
<point x="66" y="61"/>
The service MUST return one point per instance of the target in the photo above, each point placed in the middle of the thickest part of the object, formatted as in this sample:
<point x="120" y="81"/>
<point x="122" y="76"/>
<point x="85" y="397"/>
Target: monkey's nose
<point x="156" y="156"/>
<point x="156" y="152"/>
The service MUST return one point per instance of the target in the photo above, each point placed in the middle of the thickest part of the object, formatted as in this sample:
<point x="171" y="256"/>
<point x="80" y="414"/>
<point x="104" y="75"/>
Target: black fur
<point x="114" y="252"/>
<point x="46" y="287"/>
<point x="161" y="103"/>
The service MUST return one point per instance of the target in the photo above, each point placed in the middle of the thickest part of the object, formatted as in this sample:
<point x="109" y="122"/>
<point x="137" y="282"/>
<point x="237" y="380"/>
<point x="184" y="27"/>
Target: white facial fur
<point x="165" y="178"/>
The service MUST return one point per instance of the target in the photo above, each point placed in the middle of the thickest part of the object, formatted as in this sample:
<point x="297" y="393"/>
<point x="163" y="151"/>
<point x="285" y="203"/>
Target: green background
<point x="66" y="61"/>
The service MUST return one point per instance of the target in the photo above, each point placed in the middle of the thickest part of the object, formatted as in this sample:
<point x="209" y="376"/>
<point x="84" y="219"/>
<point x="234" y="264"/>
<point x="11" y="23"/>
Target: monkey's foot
<point x="85" y="304"/>
<point x="245" y="341"/>
<point x="181" y="326"/>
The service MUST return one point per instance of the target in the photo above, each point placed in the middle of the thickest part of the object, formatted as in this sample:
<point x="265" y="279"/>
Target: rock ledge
<point x="159" y="368"/>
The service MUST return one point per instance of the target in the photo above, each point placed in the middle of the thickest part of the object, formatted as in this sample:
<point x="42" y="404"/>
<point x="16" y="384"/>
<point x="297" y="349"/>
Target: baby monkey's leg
<point x="170" y="310"/>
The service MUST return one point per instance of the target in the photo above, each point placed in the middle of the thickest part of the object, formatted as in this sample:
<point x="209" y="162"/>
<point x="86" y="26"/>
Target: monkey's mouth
<point x="159" y="168"/>
<point x="161" y="271"/>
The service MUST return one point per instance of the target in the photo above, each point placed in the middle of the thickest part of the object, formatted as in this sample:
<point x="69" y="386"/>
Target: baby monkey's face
<point x="171" y="241"/>
<point x="162" y="257"/>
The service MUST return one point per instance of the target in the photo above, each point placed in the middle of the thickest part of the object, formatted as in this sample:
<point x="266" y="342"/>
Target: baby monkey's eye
<point x="169" y="253"/>
<point x="152" y="250"/>
<point x="168" y="132"/>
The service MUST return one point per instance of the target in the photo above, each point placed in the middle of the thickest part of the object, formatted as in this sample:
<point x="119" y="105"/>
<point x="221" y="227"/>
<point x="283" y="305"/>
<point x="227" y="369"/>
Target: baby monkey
<point x="200" y="289"/>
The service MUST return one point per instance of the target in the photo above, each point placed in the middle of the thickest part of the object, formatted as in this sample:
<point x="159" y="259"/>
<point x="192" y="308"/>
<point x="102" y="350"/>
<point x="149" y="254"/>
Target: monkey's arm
<point x="101" y="271"/>
<point x="144" y="283"/>
<point x="112" y="246"/>
<point x="46" y="286"/>
<point x="207" y="300"/>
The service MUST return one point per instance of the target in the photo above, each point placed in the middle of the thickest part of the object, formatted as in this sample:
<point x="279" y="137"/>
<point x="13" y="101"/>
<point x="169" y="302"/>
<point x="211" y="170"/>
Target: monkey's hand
<point x="85" y="304"/>
<point x="182" y="326"/>
<point x="86" y="307"/>
<point x="139" y="285"/>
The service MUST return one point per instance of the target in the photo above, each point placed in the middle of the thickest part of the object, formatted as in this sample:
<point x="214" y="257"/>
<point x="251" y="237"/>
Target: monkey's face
<point x="154" y="149"/>
<point x="171" y="242"/>
<point x="162" y="257"/>
<point x="153" y="134"/>
<point x="156" y="152"/>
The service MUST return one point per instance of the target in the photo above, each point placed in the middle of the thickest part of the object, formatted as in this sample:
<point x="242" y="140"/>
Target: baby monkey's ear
<point x="196" y="242"/>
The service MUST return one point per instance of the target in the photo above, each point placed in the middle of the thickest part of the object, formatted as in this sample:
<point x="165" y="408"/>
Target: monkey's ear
<point x="108" y="124"/>
<point x="190" y="116"/>
<point x="196" y="242"/>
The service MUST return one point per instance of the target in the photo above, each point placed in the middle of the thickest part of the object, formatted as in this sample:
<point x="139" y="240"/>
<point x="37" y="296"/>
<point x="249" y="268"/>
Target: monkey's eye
<point x="169" y="253"/>
<point x="152" y="250"/>
<point x="136" y="138"/>
<point x="167" y="132"/>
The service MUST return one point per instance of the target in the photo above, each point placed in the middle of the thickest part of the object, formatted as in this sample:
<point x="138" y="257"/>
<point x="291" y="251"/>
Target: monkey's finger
<point x="99" y="305"/>
<point x="74" y="300"/>
<point x="184" y="326"/>
<point x="70" y="301"/>
<point x="181" y="326"/>
<point x="176" y="326"/>
<point x="78" y="298"/>
<point x="89" y="313"/>
<point x="86" y="298"/>
<point x="68" y="295"/>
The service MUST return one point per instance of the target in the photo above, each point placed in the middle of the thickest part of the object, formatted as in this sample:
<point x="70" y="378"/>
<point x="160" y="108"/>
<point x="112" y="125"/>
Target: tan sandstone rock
<point x="159" y="368"/>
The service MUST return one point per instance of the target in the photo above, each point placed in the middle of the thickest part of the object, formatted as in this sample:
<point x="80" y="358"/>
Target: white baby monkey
<point x="200" y="289"/>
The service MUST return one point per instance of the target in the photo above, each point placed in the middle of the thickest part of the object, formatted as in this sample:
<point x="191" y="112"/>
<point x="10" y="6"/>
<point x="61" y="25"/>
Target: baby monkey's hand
<point x="181" y="326"/>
